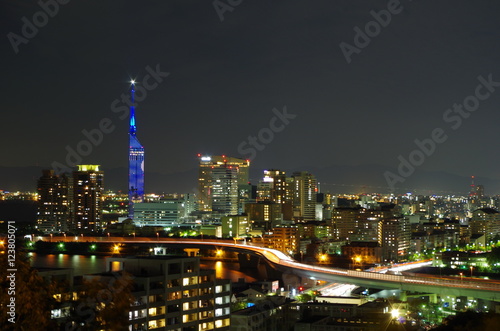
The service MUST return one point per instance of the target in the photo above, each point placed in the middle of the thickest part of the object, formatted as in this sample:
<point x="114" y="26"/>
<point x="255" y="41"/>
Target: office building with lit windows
<point x="54" y="202"/>
<point x="284" y="238"/>
<point x="87" y="197"/>
<point x="304" y="196"/>
<point x="485" y="221"/>
<point x="264" y="215"/>
<point x="173" y="293"/>
<point x="169" y="293"/>
<point x="166" y="213"/>
<point x="235" y="226"/>
<point x="394" y="238"/>
<point x="218" y="180"/>
<point x="276" y="187"/>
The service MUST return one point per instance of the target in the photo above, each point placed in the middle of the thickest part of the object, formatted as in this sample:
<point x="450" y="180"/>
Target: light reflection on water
<point x="81" y="264"/>
<point x="84" y="264"/>
<point x="227" y="270"/>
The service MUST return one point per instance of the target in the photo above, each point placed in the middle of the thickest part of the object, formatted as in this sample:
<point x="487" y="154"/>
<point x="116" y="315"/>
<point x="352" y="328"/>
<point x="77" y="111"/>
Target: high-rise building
<point x="274" y="187"/>
<point x="480" y="191"/>
<point x="485" y="221"/>
<point x="394" y="238"/>
<point x="87" y="197"/>
<point x="219" y="177"/>
<point x="135" y="161"/>
<point x="264" y="215"/>
<point x="346" y="220"/>
<point x="277" y="188"/>
<point x="224" y="191"/>
<point x="54" y="202"/>
<point x="304" y="196"/>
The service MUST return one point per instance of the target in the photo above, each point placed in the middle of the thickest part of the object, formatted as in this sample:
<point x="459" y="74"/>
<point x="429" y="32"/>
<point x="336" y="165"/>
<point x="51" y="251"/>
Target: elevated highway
<point x="471" y="287"/>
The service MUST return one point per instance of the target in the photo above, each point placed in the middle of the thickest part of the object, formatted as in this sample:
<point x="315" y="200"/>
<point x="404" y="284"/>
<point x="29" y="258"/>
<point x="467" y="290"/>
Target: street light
<point x="461" y="276"/>
<point x="157" y="236"/>
<point x="471" y="271"/>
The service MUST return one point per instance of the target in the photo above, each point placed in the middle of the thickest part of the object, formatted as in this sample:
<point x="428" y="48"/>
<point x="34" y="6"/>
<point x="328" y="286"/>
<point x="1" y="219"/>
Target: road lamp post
<point x="471" y="271"/>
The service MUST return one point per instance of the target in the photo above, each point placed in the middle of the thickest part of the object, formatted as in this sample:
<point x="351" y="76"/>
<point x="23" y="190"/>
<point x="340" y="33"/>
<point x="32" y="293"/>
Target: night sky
<point x="226" y="77"/>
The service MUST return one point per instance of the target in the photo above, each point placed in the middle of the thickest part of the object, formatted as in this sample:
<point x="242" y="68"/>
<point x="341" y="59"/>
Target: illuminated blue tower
<point x="135" y="161"/>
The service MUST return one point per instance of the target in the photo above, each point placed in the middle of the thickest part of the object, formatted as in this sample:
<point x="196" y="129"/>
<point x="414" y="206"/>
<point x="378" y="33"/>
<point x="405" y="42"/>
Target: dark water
<point x="85" y="264"/>
<point x="81" y="264"/>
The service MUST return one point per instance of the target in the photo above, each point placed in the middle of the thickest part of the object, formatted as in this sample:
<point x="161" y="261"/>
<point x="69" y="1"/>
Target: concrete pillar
<point x="192" y="251"/>
<point x="248" y="261"/>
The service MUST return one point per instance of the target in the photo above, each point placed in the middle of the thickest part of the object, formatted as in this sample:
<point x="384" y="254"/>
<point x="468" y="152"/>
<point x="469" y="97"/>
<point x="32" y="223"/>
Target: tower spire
<point x="136" y="159"/>
<point x="133" y="128"/>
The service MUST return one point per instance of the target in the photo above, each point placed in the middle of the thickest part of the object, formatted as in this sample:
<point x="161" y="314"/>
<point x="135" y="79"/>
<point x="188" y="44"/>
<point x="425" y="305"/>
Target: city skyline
<point x="300" y="74"/>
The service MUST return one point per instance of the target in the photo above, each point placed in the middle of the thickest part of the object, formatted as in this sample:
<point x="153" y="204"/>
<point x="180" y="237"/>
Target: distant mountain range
<point x="334" y="179"/>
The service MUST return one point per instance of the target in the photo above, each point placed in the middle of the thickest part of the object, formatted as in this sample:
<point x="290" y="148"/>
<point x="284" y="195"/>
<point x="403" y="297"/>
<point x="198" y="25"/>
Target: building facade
<point x="88" y="188"/>
<point x="284" y="238"/>
<point x="164" y="213"/>
<point x="175" y="294"/>
<point x="485" y="221"/>
<point x="218" y="180"/>
<point x="394" y="238"/>
<point x="304" y="196"/>
<point x="54" y="202"/>
<point x="235" y="226"/>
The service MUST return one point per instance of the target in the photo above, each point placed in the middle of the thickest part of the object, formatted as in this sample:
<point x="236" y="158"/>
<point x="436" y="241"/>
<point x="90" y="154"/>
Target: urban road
<point x="463" y="286"/>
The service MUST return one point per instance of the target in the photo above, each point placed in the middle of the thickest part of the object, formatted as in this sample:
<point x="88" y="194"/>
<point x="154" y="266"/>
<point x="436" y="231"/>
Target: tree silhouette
<point x="470" y="321"/>
<point x="103" y="303"/>
<point x="33" y="296"/>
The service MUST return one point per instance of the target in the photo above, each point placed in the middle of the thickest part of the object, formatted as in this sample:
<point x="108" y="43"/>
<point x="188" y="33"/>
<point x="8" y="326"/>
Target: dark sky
<point x="227" y="76"/>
